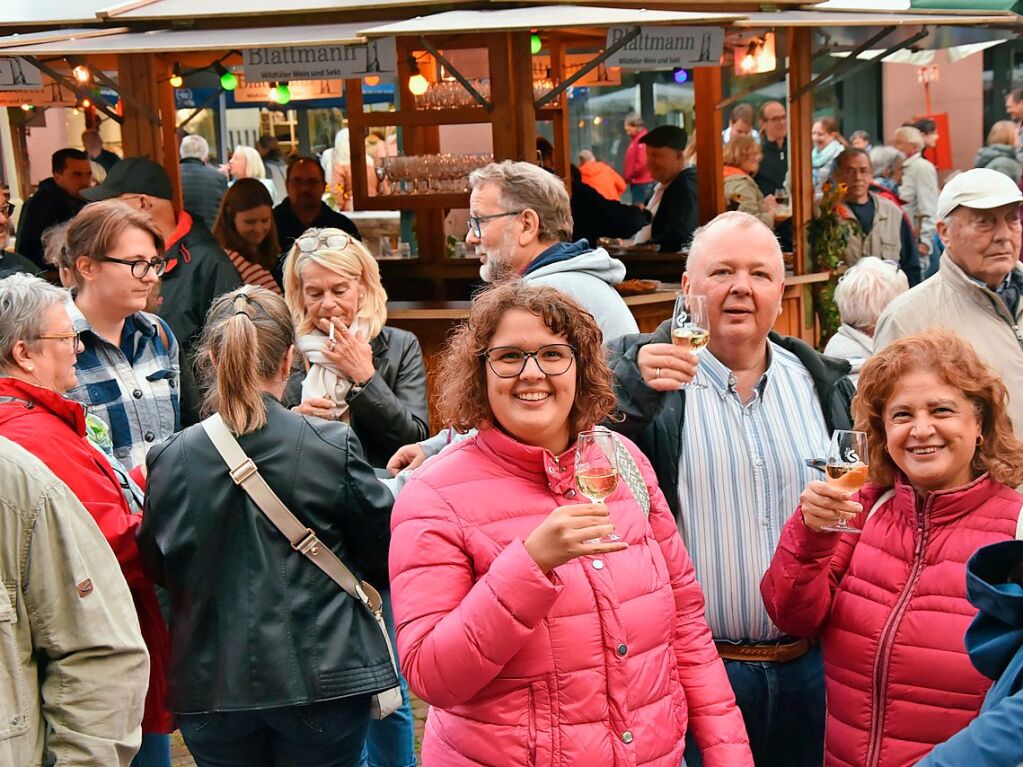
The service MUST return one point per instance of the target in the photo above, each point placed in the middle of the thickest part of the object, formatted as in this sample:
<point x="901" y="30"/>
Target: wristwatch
<point x="357" y="387"/>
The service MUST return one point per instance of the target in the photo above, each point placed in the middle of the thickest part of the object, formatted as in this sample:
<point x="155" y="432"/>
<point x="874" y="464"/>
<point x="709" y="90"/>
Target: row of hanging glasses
<point x="450" y="94"/>
<point x="430" y="173"/>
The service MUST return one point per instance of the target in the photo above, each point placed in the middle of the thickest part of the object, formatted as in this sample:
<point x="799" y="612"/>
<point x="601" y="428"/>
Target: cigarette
<point x="331" y="336"/>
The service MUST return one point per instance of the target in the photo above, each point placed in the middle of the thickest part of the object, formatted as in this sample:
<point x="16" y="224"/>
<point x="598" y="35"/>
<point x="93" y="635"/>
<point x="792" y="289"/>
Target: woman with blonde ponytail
<point x="272" y="663"/>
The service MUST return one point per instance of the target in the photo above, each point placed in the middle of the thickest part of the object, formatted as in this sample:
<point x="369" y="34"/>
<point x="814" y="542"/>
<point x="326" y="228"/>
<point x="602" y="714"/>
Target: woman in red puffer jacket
<point x="535" y="643"/>
<point x="890" y="604"/>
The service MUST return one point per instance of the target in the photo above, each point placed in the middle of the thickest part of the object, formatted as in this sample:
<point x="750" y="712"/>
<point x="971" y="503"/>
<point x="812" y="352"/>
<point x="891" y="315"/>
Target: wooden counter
<point x="431" y="321"/>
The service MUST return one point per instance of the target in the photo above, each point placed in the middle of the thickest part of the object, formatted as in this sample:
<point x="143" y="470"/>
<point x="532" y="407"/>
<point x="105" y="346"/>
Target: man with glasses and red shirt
<point x="197" y="269"/>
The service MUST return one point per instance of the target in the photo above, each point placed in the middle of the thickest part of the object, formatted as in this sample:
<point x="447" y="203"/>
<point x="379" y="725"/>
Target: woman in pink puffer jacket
<point x="535" y="644"/>
<point x="890" y="605"/>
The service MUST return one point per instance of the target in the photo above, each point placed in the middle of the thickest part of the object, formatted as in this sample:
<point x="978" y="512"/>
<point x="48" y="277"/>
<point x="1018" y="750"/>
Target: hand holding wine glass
<point x="690" y="327"/>
<point x="846" y="470"/>
<point x="596" y="468"/>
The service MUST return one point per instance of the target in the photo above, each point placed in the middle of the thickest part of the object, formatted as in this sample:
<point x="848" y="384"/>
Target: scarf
<point x="323" y="379"/>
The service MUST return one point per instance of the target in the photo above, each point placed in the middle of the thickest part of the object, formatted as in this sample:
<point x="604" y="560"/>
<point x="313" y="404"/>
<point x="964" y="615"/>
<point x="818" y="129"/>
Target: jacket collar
<point x="825" y="371"/>
<point x="944" y="506"/>
<point x="960" y="280"/>
<point x="69" y="411"/>
<point x="536" y="463"/>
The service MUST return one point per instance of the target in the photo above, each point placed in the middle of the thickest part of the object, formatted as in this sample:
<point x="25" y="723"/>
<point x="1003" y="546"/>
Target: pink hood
<point x="605" y="662"/>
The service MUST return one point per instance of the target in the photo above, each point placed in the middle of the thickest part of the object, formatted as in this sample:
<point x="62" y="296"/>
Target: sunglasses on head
<point x="313" y="239"/>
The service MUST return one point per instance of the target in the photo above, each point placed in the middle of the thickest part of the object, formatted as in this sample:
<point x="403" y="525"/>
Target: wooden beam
<point x="800" y="120"/>
<point x="709" y="179"/>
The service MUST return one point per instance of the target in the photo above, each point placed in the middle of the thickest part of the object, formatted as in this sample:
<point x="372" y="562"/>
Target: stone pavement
<point x="181" y="758"/>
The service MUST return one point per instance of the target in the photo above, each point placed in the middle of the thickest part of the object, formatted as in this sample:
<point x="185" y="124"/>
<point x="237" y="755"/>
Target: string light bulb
<point x="228" y="81"/>
<point x="27" y="107"/>
<point x="371" y="80"/>
<point x="80" y="71"/>
<point x="281" y="94"/>
<point x="749" y="61"/>
<point x="535" y="44"/>
<point x="417" y="84"/>
<point x="176" y="80"/>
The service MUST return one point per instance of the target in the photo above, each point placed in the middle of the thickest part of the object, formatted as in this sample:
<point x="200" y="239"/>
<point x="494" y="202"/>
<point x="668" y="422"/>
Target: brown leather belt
<point x="764" y="653"/>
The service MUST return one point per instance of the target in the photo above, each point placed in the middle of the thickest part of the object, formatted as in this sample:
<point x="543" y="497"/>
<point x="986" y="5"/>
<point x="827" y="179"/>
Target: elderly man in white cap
<point x="977" y="290"/>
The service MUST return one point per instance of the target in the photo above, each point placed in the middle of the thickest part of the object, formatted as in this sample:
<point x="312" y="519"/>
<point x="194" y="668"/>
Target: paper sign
<point x="301" y="90"/>
<point x="667" y="47"/>
<point x="50" y="95"/>
<point x="18" y="74"/>
<point x="320" y="62"/>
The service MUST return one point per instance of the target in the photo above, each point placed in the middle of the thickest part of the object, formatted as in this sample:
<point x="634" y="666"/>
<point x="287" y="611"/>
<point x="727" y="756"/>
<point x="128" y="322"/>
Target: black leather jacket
<point x="255" y="624"/>
<point x="391" y="411"/>
<point x="654" y="420"/>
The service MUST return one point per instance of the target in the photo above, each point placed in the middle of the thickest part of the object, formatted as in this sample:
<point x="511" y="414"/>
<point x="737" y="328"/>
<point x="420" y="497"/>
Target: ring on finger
<point x="331" y="344"/>
<point x="657" y="373"/>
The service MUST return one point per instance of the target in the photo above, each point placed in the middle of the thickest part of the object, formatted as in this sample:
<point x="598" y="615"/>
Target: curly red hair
<point x="954" y="361"/>
<point x="463" y="399"/>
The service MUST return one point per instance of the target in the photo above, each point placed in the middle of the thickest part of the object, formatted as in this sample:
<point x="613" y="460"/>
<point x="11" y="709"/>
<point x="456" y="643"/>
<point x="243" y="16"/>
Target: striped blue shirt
<point x="741" y="470"/>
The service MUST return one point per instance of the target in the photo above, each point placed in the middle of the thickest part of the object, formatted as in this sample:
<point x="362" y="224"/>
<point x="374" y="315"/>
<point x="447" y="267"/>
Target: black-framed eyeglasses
<point x="510" y="361"/>
<point x="7" y="209"/>
<point x="75" y="338"/>
<point x="140" y="267"/>
<point x="312" y="239"/>
<point x="476" y="222"/>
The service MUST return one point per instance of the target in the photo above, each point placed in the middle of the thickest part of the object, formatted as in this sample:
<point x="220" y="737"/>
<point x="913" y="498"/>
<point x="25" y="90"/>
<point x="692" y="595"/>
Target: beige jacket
<point x="73" y="667"/>
<point x="953" y="301"/>
<point x="885" y="238"/>
<point x="751" y="200"/>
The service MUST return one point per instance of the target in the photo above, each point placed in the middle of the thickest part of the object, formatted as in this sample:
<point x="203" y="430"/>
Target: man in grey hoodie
<point x="520" y="223"/>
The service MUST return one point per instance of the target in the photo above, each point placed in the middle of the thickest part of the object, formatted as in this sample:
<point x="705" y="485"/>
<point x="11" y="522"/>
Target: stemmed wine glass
<point x="846" y="468"/>
<point x="690" y="327"/>
<point x="596" y="470"/>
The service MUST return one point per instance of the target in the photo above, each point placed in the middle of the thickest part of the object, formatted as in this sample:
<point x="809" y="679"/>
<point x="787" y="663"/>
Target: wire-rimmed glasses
<point x="312" y="239"/>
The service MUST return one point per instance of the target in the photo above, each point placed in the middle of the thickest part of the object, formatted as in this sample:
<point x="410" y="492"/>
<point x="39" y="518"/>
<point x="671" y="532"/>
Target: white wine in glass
<point x="596" y="470"/>
<point x="690" y="327"/>
<point x="846" y="469"/>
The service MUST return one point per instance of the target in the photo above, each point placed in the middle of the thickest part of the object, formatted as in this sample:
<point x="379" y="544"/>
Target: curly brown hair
<point x="463" y="399"/>
<point x="954" y="361"/>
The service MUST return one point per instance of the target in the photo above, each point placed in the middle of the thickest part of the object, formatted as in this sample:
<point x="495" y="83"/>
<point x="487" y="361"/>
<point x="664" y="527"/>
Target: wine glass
<point x="596" y="470"/>
<point x="690" y="327"/>
<point x="846" y="468"/>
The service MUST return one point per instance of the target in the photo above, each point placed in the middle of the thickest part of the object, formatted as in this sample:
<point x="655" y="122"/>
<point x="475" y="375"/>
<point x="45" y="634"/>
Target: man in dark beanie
<point x="672" y="206"/>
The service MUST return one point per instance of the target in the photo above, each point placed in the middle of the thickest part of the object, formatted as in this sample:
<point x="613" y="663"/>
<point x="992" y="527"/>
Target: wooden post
<point x="709" y="179"/>
<point x="511" y="88"/>
<point x="144" y="84"/>
<point x="562" y="140"/>
<point x="800" y="120"/>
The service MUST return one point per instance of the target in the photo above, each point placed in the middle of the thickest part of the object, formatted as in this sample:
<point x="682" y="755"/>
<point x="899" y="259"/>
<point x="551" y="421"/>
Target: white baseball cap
<point x="980" y="188"/>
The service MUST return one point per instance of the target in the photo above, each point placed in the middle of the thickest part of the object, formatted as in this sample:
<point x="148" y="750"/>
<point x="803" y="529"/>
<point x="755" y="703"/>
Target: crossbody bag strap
<point x="302" y="539"/>
<point x="630" y="472"/>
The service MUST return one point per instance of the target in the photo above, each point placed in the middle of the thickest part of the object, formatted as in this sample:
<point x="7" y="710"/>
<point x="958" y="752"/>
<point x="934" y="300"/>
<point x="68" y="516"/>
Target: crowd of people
<point x="701" y="611"/>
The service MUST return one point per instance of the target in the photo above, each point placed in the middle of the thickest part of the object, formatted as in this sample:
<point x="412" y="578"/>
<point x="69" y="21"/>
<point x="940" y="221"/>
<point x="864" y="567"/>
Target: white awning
<point x="819" y="17"/>
<point x="41" y="12"/>
<point x="545" y="17"/>
<point x="54" y="36"/>
<point x="173" y="41"/>
<point x="158" y="10"/>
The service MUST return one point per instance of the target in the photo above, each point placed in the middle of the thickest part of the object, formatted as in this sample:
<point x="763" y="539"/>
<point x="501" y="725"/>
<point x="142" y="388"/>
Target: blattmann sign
<point x="320" y="62"/>
<point x="665" y="47"/>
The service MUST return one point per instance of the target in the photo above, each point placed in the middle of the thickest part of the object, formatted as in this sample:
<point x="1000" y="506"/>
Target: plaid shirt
<point x="133" y="387"/>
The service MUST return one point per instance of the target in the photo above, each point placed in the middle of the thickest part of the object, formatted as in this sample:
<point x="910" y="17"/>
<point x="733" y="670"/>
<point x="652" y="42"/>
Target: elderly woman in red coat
<point x="535" y="642"/>
<point x="890" y="605"/>
<point x="38" y="348"/>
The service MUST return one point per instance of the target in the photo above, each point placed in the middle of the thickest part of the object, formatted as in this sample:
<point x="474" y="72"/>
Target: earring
<point x="30" y="368"/>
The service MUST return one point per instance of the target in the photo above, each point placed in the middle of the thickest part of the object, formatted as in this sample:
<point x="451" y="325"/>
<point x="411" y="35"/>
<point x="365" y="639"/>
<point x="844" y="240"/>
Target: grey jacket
<point x="203" y="187"/>
<point x="1000" y="157"/>
<point x="919" y="188"/>
<point x="391" y="411"/>
<point x="73" y="667"/>
<point x="951" y="300"/>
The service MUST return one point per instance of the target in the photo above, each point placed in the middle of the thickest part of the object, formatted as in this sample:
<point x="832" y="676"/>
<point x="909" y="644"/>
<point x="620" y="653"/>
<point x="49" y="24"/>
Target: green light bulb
<point x="228" y="81"/>
<point x="535" y="44"/>
<point x="282" y="94"/>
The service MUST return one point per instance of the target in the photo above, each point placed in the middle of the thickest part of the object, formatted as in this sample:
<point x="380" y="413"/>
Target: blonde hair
<point x="739" y="148"/>
<point x="1002" y="132"/>
<point x="352" y="261"/>
<point x="246" y="337"/>
<point x="254" y="167"/>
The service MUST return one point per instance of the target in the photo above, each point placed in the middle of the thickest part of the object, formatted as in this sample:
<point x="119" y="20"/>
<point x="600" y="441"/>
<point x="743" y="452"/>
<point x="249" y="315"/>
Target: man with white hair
<point x="202" y="185"/>
<point x="732" y="461"/>
<point x="862" y="294"/>
<point x="976" y="292"/>
<point x="919" y="188"/>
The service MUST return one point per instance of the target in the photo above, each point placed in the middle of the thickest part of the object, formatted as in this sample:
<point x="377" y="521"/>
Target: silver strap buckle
<point x="243" y="471"/>
<point x="308" y="545"/>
